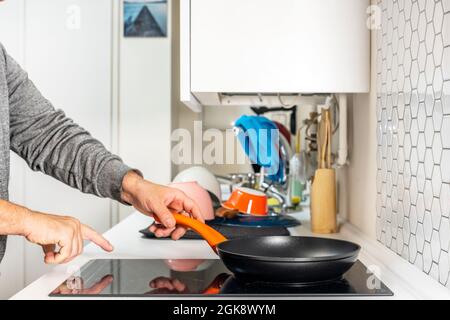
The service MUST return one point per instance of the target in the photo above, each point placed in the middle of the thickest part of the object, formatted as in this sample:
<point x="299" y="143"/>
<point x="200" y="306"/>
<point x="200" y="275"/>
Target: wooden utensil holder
<point x="323" y="202"/>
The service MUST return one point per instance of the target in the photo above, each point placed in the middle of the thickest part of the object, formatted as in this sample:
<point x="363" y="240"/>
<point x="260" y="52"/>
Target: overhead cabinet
<point x="267" y="46"/>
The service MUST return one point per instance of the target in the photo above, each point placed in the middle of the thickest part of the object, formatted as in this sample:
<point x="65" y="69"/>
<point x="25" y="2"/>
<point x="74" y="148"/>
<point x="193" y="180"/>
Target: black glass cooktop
<point x="165" y="278"/>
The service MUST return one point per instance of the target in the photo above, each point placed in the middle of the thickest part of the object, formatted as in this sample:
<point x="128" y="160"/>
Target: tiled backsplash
<point x="413" y="111"/>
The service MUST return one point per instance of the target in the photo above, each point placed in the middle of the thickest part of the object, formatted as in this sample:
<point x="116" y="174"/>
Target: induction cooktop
<point x="197" y="278"/>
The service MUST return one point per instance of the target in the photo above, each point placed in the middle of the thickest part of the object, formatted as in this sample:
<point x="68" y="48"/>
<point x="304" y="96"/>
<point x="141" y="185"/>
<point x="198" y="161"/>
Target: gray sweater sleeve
<point x="52" y="143"/>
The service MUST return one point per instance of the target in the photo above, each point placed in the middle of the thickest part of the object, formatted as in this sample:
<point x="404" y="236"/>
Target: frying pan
<point x="279" y="259"/>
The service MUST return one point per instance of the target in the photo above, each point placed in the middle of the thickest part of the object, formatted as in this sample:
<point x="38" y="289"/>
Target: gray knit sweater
<point x="49" y="141"/>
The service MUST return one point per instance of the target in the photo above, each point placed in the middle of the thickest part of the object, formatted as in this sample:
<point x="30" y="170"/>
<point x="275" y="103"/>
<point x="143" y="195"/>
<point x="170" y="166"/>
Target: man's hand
<point x="67" y="233"/>
<point x="163" y="285"/>
<point x="152" y="199"/>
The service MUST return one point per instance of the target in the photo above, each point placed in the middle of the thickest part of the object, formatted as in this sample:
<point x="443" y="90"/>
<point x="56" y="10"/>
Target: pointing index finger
<point x="92" y="235"/>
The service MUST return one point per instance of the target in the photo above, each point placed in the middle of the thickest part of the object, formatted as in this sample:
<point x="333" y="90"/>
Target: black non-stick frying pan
<point x="287" y="259"/>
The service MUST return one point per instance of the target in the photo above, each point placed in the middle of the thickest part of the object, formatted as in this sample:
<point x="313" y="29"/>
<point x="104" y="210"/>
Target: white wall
<point x="145" y="106"/>
<point x="358" y="180"/>
<point x="72" y="68"/>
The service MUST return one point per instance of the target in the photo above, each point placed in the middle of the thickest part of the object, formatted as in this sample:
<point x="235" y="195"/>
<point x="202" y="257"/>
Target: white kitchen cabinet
<point x="266" y="46"/>
<point x="68" y="56"/>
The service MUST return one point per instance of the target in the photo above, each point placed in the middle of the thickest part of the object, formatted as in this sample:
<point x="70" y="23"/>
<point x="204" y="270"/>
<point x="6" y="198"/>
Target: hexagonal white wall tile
<point x="427" y="258"/>
<point x="446" y="98"/>
<point x="429" y="164"/>
<point x="436" y="214"/>
<point x="446" y="63"/>
<point x="445" y="133"/>
<point x="427" y="226"/>
<point x="444" y="268"/>
<point x="413" y="133"/>
<point x="445" y="200"/>
<point x="419" y="261"/>
<point x="420" y="208"/>
<point x="435" y="246"/>
<point x="438" y="83"/>
<point x="444" y="234"/>
<point x="420" y="238"/>
<point x="436" y="181"/>
<point x="412" y="249"/>
<point x="445" y="168"/>
<point x="413" y="191"/>
<point x="422" y="7"/>
<point x="429" y="10"/>
<point x="438" y="116"/>
<point x="434" y="272"/>
<point x="429" y="132"/>
<point x="400" y="242"/>
<point x="446" y="6"/>
<point x="413" y="220"/>
<point x="405" y="252"/>
<point x="446" y="29"/>
<point x="438" y="16"/>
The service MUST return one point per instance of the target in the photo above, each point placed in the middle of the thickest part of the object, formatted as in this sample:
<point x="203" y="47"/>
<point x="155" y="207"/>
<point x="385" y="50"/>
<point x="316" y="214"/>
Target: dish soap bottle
<point x="297" y="175"/>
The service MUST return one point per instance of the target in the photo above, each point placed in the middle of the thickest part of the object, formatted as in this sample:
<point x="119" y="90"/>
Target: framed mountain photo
<point x="145" y="18"/>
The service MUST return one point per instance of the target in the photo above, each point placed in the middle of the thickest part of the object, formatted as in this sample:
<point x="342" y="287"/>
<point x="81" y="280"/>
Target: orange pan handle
<point x="216" y="285"/>
<point x="206" y="232"/>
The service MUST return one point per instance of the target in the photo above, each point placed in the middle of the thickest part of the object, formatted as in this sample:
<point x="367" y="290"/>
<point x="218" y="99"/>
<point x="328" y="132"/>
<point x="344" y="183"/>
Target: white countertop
<point x="405" y="280"/>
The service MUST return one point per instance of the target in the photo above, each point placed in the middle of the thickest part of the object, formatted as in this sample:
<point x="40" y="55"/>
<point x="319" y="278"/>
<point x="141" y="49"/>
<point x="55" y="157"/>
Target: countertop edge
<point x="396" y="272"/>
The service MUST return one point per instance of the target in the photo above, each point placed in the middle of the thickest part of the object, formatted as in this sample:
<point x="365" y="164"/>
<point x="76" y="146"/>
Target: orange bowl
<point x="248" y="201"/>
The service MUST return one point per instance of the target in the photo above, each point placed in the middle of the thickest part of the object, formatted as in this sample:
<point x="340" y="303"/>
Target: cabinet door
<point x="68" y="55"/>
<point x="279" y="46"/>
<point x="12" y="37"/>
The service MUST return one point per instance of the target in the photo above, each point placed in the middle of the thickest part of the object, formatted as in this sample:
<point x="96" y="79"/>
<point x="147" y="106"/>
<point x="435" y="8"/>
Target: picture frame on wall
<point x="145" y="18"/>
